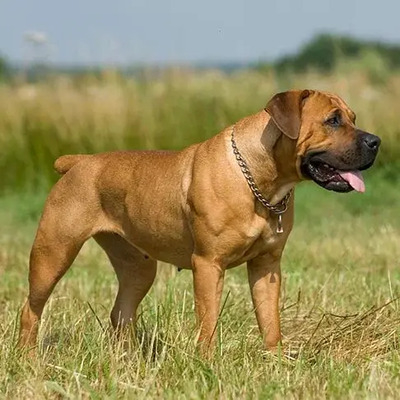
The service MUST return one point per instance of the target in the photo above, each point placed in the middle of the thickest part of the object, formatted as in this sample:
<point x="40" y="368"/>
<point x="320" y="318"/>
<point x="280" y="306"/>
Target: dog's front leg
<point x="208" y="279"/>
<point x="264" y="275"/>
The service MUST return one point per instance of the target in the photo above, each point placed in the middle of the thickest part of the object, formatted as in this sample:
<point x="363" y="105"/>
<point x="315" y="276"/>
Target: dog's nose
<point x="372" y="142"/>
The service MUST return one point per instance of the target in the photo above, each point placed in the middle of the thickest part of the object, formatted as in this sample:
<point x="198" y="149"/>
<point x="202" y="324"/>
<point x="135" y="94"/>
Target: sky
<point x="123" y="32"/>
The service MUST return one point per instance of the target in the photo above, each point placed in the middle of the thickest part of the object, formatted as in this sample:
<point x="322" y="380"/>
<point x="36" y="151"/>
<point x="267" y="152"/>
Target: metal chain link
<point x="278" y="208"/>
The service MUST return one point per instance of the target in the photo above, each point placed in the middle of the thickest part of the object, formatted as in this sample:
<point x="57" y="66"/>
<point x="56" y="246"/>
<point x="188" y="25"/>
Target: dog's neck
<point x="267" y="152"/>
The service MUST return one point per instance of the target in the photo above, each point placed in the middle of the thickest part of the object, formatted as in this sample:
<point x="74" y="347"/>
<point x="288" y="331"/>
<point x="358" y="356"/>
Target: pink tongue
<point x="355" y="180"/>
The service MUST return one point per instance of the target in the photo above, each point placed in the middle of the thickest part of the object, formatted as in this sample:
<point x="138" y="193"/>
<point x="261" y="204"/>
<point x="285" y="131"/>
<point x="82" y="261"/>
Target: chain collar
<point x="278" y="208"/>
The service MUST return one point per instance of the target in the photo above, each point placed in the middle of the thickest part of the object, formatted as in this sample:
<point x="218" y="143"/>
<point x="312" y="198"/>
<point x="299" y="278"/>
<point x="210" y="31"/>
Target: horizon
<point x="225" y="65"/>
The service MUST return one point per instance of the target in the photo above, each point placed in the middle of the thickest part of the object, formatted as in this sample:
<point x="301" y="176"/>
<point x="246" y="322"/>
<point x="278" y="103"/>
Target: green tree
<point x="325" y="52"/>
<point x="3" y="68"/>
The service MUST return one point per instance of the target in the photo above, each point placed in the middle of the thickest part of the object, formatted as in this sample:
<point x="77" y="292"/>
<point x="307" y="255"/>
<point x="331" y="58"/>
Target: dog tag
<point x="279" y="228"/>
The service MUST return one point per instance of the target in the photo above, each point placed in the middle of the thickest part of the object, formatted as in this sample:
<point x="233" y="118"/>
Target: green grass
<point x="340" y="317"/>
<point x="40" y="122"/>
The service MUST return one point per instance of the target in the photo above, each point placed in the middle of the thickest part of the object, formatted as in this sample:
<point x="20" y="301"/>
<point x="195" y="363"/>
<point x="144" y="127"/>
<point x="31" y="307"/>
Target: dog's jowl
<point x="212" y="206"/>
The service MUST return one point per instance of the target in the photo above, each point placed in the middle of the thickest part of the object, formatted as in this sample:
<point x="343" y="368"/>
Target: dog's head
<point x="330" y="150"/>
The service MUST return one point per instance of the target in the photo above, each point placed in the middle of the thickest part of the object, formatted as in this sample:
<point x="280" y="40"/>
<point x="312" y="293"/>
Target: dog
<point x="212" y="206"/>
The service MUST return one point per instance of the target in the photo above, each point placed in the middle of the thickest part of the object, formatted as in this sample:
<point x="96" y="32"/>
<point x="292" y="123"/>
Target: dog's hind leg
<point x="135" y="273"/>
<point x="63" y="229"/>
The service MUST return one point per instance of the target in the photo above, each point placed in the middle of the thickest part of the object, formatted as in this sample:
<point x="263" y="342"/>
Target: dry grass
<point x="340" y="314"/>
<point x="42" y="121"/>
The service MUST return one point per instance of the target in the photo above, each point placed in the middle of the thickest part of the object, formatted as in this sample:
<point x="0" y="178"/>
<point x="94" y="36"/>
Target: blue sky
<point x="183" y="31"/>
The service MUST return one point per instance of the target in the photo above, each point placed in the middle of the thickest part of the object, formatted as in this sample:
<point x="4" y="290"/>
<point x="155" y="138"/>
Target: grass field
<point x="40" y="122"/>
<point x="340" y="312"/>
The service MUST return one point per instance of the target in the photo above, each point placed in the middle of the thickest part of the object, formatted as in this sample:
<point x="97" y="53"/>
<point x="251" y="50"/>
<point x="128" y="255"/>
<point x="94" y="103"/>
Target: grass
<point x="339" y="305"/>
<point x="340" y="308"/>
<point x="40" y="122"/>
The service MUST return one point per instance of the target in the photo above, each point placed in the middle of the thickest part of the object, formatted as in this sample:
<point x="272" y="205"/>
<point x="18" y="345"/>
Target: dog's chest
<point x="263" y="237"/>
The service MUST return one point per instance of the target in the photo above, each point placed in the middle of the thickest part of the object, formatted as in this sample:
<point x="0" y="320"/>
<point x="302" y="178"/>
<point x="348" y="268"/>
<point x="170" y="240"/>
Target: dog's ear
<point x="285" y="110"/>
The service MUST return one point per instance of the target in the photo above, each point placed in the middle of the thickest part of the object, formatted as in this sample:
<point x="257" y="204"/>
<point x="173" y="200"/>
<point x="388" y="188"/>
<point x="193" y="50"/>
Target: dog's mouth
<point x="330" y="177"/>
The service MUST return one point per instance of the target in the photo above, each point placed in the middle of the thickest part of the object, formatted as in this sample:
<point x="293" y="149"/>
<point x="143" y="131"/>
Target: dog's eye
<point x="333" y="121"/>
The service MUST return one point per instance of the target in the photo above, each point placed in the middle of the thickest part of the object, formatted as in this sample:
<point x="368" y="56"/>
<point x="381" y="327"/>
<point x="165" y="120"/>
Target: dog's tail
<point x="64" y="163"/>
